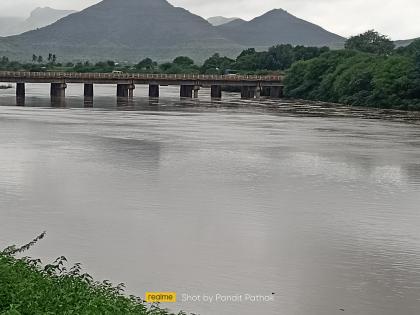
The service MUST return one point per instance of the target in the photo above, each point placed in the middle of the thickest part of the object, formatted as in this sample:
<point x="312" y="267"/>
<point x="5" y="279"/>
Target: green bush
<point x="28" y="288"/>
<point x="357" y="78"/>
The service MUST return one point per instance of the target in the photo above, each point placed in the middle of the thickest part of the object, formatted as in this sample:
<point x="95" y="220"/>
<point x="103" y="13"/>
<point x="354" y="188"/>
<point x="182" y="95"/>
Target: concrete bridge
<point x="190" y="84"/>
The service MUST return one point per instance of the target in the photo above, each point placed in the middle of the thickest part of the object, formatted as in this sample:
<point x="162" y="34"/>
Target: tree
<point x="280" y="57"/>
<point x="249" y="61"/>
<point x="183" y="61"/>
<point x="40" y="59"/>
<point x="217" y="65"/>
<point x="247" y="52"/>
<point x="49" y="57"/>
<point x="165" y="67"/>
<point x="146" y="64"/>
<point x="4" y="60"/>
<point x="34" y="58"/>
<point x="306" y="53"/>
<point x="371" y="42"/>
<point x="413" y="51"/>
<point x="54" y="58"/>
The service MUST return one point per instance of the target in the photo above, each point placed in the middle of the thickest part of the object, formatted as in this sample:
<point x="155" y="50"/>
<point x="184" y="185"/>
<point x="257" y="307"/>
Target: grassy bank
<point x="27" y="287"/>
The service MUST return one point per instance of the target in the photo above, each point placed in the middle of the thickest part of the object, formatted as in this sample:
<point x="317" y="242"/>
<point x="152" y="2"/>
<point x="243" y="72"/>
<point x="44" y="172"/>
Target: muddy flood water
<point x="316" y="206"/>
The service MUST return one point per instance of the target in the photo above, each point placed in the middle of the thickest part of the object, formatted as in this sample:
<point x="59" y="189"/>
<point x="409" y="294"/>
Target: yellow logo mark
<point x="160" y="297"/>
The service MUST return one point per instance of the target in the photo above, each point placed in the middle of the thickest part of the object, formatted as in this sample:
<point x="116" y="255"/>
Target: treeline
<point x="370" y="71"/>
<point x="276" y="59"/>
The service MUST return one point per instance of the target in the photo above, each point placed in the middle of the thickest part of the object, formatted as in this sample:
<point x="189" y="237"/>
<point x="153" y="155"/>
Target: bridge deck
<point x="137" y="78"/>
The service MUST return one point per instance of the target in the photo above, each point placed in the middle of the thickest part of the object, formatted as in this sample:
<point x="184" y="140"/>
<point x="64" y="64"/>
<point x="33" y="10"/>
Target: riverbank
<point x="359" y="79"/>
<point x="27" y="287"/>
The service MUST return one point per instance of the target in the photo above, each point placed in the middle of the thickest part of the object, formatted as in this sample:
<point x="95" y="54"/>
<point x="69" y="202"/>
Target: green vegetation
<point x="370" y="72"/>
<point x="275" y="60"/>
<point x="370" y="42"/>
<point x="28" y="288"/>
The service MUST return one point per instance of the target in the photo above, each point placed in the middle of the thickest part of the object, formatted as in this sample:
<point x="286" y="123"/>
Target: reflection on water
<point x="314" y="203"/>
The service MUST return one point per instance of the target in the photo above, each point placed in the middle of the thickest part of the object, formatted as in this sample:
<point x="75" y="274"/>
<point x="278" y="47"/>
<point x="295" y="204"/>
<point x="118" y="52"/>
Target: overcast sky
<point x="397" y="18"/>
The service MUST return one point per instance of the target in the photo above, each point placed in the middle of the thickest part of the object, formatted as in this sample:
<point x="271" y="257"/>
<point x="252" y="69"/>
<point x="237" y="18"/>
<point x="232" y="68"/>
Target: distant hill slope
<point x="39" y="17"/>
<point x="125" y="30"/>
<point x="405" y="42"/>
<point x="220" y="20"/>
<point x="279" y="27"/>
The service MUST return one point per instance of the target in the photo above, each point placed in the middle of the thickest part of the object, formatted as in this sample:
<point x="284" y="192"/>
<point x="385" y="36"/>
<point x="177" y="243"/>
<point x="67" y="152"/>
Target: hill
<point x="124" y="30"/>
<point x="38" y="18"/>
<point x="220" y="20"/>
<point x="41" y="17"/>
<point x="279" y="27"/>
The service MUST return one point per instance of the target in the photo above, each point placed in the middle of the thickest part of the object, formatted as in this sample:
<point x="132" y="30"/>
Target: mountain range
<point x="38" y="18"/>
<point x="278" y="26"/>
<point x="130" y="30"/>
<point x="125" y="30"/>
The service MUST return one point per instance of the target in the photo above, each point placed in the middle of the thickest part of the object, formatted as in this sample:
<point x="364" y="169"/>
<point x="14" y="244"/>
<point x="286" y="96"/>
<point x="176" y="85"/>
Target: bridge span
<point x="190" y="84"/>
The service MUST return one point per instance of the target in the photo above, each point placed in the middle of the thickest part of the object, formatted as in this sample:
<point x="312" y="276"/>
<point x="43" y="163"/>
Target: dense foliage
<point x="28" y="288"/>
<point x="370" y="42"/>
<point x="359" y="78"/>
<point x="277" y="58"/>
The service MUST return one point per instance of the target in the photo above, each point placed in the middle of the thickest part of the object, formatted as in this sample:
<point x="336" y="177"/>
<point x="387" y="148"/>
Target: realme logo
<point x="160" y="297"/>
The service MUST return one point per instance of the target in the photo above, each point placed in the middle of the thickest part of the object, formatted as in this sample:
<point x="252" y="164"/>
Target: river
<point x="318" y="204"/>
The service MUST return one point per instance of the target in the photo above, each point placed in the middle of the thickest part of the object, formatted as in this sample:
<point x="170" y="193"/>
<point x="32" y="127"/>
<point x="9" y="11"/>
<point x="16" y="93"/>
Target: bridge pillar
<point x="258" y="92"/>
<point x="265" y="91"/>
<point x="20" y="89"/>
<point x="131" y="89"/>
<point x="58" y="90"/>
<point x="248" y="91"/>
<point x="196" y="89"/>
<point x="88" y="90"/>
<point x="252" y="91"/>
<point x="125" y="90"/>
<point x="20" y="94"/>
<point x="244" y="92"/>
<point x="153" y="90"/>
<point x="216" y="91"/>
<point x="276" y="92"/>
<point x="187" y="91"/>
<point x="122" y="90"/>
<point x="58" y="93"/>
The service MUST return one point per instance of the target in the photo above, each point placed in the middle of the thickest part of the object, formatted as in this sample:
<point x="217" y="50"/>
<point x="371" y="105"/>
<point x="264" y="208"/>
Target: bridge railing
<point x="134" y="76"/>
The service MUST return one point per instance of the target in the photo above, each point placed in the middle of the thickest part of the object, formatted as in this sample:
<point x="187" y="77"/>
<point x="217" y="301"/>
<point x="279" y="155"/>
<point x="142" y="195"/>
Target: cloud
<point x="396" y="18"/>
